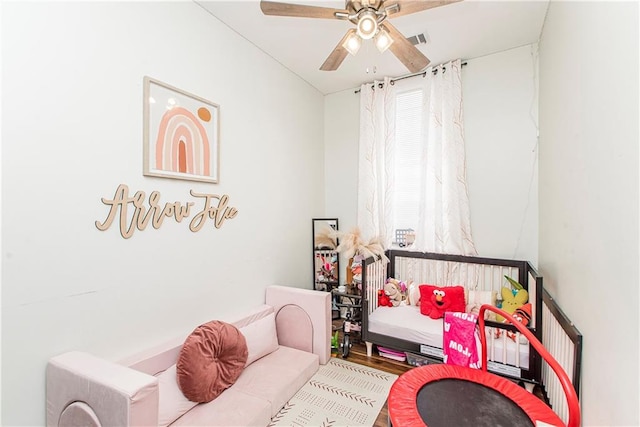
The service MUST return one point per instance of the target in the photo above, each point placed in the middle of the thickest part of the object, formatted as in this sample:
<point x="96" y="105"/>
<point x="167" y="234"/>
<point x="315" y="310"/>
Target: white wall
<point x="341" y="133"/>
<point x="72" y="131"/>
<point x="589" y="194"/>
<point x="500" y="113"/>
<point x="500" y="121"/>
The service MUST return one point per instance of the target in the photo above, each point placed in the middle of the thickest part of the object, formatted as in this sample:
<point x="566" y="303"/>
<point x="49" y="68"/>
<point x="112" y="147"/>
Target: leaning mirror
<point x="326" y="262"/>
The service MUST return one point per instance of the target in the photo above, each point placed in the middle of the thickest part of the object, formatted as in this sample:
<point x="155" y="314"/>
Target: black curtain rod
<point x="421" y="73"/>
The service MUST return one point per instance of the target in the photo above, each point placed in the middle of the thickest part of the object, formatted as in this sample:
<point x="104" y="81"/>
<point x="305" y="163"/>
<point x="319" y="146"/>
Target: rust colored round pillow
<point x="211" y="360"/>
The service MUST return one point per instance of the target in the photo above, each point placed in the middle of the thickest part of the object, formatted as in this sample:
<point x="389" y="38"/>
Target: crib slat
<point x="564" y="342"/>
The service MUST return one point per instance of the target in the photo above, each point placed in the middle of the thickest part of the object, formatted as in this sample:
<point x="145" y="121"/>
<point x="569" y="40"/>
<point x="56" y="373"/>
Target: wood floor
<point x="358" y="354"/>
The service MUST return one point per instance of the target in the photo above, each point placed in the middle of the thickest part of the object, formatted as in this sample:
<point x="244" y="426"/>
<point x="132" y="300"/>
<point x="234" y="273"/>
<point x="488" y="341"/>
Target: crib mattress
<point x="407" y="323"/>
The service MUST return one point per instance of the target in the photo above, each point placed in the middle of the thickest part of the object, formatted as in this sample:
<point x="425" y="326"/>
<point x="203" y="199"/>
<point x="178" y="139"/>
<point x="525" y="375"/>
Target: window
<point x="407" y="158"/>
<point x="411" y="164"/>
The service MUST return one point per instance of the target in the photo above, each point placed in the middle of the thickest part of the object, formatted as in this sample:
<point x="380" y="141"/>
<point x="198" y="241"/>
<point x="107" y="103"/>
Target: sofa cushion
<point x="261" y="337"/>
<point x="295" y="328"/>
<point x="211" y="359"/>
<point x="278" y="376"/>
<point x="172" y="402"/>
<point x="246" y="317"/>
<point x="79" y="414"/>
<point x="232" y="408"/>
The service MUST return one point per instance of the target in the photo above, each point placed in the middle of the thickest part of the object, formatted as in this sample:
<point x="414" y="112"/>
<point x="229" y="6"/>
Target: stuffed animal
<point x="435" y="300"/>
<point x="383" y="299"/>
<point x="511" y="300"/>
<point x="399" y="283"/>
<point x="392" y="290"/>
<point x="522" y="315"/>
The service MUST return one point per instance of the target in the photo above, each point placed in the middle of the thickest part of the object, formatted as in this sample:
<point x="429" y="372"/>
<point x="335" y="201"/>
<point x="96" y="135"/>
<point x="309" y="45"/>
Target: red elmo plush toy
<point x="435" y="300"/>
<point x="383" y="299"/>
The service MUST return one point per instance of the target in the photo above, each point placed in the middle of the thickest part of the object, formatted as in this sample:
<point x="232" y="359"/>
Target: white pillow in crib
<point x="475" y="299"/>
<point x="261" y="337"/>
<point x="173" y="404"/>
<point x="413" y="294"/>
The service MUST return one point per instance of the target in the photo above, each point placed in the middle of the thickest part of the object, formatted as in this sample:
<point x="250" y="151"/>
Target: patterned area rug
<point x="341" y="393"/>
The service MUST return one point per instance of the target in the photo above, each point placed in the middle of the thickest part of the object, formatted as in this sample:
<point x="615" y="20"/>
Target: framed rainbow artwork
<point x="181" y="134"/>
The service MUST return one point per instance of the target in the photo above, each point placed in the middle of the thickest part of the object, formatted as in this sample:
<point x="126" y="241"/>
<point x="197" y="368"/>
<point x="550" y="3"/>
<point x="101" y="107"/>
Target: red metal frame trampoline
<point x="448" y="395"/>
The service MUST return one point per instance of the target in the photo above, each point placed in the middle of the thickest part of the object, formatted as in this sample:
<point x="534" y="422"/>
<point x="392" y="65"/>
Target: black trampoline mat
<point x="453" y="402"/>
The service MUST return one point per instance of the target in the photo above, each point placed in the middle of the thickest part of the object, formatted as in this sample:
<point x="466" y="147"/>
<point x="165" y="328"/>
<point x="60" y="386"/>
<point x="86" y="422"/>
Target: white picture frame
<point x="181" y="134"/>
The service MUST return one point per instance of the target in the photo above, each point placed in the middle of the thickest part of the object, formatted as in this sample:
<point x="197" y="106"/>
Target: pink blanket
<point x="459" y="340"/>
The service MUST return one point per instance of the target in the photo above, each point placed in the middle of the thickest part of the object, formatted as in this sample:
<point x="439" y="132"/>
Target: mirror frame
<point x="318" y="250"/>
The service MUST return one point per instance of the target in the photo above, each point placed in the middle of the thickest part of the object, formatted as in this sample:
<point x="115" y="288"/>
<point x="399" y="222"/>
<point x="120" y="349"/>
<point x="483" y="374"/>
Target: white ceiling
<point x="466" y="30"/>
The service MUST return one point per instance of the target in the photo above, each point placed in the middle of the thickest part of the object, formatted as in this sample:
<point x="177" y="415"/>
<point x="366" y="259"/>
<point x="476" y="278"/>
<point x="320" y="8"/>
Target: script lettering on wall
<point x="211" y="206"/>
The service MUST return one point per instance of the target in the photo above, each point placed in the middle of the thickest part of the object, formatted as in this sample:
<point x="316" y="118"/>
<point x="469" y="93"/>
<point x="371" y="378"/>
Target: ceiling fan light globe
<point x="367" y="26"/>
<point x="383" y="40"/>
<point x="352" y="43"/>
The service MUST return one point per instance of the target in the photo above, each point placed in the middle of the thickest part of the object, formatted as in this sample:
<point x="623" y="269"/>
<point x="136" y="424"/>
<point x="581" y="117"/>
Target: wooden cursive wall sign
<point x="215" y="208"/>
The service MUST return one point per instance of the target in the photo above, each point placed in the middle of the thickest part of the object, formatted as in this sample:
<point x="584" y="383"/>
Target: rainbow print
<point x="182" y="144"/>
<point x="181" y="134"/>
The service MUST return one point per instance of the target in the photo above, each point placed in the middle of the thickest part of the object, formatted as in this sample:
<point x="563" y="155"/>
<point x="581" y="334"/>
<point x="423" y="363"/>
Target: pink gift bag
<point x="459" y="340"/>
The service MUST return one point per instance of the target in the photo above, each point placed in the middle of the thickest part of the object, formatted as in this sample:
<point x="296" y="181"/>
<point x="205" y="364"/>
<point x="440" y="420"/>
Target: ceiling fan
<point x="370" y="19"/>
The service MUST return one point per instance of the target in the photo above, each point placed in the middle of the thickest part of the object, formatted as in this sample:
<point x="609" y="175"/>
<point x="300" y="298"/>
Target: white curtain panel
<point x="444" y="220"/>
<point x="375" y="161"/>
<point x="444" y="217"/>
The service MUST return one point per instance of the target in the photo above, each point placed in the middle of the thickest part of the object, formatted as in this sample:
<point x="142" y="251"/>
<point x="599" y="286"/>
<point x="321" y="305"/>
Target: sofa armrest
<point x="83" y="387"/>
<point x="315" y="306"/>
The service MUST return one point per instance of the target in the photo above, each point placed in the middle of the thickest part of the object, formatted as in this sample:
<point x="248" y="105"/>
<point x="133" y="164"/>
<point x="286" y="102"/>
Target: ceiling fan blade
<point x="338" y="54"/>
<point x="412" y="6"/>
<point x="407" y="53"/>
<point x="298" y="10"/>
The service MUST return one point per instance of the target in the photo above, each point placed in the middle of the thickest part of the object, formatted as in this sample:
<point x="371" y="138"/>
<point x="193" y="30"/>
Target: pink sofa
<point x="287" y="338"/>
